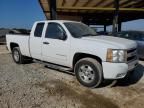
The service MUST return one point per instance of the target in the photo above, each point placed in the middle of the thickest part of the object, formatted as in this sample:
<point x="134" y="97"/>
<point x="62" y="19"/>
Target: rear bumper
<point x="117" y="70"/>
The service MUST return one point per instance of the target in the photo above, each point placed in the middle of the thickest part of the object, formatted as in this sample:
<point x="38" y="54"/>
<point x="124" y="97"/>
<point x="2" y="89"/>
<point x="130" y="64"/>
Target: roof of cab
<point x="59" y="21"/>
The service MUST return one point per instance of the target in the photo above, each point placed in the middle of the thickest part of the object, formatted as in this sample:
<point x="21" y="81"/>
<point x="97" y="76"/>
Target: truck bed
<point x="21" y="40"/>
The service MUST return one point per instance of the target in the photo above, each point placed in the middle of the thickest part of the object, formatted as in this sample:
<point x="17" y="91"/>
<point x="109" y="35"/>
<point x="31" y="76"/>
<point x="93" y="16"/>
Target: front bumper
<point x="117" y="70"/>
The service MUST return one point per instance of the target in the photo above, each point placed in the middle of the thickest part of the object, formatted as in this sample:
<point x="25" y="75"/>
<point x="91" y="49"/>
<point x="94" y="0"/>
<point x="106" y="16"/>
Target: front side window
<point x="38" y="30"/>
<point x="54" y="30"/>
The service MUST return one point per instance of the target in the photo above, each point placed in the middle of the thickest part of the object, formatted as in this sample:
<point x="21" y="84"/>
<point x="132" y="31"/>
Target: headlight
<point x="116" y="55"/>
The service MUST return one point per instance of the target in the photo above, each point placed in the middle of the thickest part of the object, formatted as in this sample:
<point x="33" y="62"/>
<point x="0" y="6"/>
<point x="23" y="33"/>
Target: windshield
<point x="79" y="30"/>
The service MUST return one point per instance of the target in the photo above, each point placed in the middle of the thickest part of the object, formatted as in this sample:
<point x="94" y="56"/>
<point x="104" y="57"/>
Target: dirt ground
<point x="35" y="86"/>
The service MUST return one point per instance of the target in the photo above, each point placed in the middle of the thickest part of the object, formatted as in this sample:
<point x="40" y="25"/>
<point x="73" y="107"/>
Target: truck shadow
<point x="133" y="77"/>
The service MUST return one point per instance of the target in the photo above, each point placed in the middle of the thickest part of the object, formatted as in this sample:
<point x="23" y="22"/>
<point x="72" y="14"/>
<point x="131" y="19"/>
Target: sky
<point x="20" y="13"/>
<point x="23" y="13"/>
<point x="131" y="25"/>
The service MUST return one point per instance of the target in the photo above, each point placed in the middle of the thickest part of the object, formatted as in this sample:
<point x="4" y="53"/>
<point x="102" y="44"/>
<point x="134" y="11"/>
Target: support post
<point x="105" y="28"/>
<point x="116" y="15"/>
<point x="53" y="9"/>
<point x="119" y="26"/>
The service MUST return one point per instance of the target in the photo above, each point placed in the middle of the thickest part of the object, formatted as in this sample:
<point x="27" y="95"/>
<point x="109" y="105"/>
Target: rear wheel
<point x="88" y="71"/>
<point x="17" y="56"/>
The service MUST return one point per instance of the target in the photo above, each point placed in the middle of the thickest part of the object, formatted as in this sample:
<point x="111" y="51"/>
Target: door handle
<point x="46" y="43"/>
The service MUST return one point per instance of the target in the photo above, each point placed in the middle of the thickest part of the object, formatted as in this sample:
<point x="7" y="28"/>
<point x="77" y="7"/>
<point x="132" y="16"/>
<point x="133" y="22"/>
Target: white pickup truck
<point x="76" y="46"/>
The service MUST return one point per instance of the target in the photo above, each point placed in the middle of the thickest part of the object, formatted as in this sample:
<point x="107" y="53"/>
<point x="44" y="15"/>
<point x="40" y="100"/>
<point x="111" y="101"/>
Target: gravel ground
<point x="35" y="86"/>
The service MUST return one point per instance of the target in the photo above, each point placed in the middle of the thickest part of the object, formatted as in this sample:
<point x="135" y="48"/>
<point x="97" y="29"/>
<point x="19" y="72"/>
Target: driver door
<point x="54" y="49"/>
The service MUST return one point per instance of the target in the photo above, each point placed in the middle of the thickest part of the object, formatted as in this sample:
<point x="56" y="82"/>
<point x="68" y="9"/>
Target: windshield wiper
<point x="89" y="35"/>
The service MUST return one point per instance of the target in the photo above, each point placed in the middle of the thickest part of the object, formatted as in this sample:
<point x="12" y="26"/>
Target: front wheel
<point x="88" y="72"/>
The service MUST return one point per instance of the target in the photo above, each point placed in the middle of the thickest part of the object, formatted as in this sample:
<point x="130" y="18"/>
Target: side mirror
<point x="62" y="36"/>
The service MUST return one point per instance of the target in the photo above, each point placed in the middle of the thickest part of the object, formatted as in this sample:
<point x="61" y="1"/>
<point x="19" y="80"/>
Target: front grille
<point x="131" y="58"/>
<point x="131" y="50"/>
<point x="131" y="55"/>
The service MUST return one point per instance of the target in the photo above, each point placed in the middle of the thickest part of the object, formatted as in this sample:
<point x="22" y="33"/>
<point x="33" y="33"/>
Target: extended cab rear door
<point x="36" y="40"/>
<point x="54" y="49"/>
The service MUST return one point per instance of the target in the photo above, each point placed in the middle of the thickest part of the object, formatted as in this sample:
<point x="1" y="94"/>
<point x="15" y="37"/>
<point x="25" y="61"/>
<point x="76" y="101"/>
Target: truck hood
<point x="115" y="41"/>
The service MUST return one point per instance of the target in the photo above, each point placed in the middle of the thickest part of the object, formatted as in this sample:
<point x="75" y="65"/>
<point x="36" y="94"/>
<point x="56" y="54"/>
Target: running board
<point x="56" y="67"/>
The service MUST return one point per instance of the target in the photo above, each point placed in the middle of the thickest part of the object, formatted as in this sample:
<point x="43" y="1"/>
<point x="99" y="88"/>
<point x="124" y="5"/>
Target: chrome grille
<point x="131" y="55"/>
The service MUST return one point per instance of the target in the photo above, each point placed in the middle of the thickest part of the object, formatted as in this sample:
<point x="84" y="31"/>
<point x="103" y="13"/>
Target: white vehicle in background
<point x="75" y="46"/>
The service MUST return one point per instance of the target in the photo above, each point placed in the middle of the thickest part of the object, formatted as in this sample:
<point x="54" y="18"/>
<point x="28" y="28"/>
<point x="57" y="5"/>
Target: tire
<point x="88" y="72"/>
<point x="17" y="56"/>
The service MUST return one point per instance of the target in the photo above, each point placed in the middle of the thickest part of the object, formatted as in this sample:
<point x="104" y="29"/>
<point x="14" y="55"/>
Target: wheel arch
<point x="79" y="56"/>
<point x="13" y="45"/>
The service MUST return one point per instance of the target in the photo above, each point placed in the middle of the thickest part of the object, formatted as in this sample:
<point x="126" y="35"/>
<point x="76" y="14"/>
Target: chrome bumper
<point x="132" y="65"/>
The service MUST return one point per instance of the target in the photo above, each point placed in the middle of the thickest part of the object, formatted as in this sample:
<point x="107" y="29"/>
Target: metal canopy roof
<point x="96" y="11"/>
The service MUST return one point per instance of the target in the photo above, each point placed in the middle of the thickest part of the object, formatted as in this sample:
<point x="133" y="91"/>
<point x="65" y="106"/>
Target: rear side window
<point x="39" y="29"/>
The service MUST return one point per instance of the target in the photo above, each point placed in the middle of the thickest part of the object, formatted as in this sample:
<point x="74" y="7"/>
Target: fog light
<point x="121" y="75"/>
